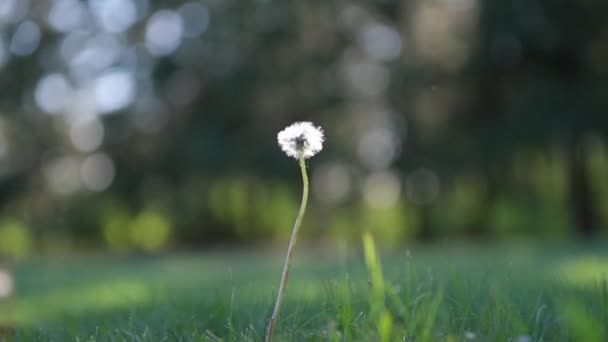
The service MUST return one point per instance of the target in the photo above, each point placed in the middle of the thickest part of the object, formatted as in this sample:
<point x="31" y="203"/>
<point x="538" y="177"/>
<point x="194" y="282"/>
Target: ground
<point x="442" y="292"/>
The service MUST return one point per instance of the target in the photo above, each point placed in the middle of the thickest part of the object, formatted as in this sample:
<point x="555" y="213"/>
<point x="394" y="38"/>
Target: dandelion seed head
<point x="301" y="138"/>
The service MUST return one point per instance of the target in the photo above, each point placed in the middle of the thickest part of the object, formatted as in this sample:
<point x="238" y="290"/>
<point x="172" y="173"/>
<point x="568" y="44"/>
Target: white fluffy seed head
<point x="301" y="138"/>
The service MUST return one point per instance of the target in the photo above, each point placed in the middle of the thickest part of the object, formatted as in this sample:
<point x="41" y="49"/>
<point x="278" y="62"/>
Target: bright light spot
<point x="381" y="42"/>
<point x="378" y="148"/>
<point x="382" y="189"/>
<point x="6" y="283"/>
<point x="422" y="186"/>
<point x="7" y="8"/>
<point x="163" y="32"/>
<point x="87" y="134"/>
<point x="93" y="55"/>
<point x="97" y="172"/>
<point x="332" y="182"/>
<point x="584" y="270"/>
<point x="25" y="39"/>
<point x="114" y="91"/>
<point x="53" y="93"/>
<point x="62" y="175"/>
<point x="83" y="105"/>
<point x="66" y="15"/>
<point x="195" y="17"/>
<point x="114" y="15"/>
<point x="367" y="79"/>
<point x="12" y="11"/>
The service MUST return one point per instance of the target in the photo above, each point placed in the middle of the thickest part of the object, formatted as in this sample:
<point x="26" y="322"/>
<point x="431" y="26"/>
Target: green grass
<point x="432" y="293"/>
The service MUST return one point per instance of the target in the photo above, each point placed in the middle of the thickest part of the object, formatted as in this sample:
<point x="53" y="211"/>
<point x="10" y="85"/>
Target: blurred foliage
<point x="15" y="239"/>
<point x="143" y="124"/>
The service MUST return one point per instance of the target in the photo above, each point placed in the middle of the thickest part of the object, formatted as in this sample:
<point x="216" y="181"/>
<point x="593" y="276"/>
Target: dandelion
<point x="301" y="141"/>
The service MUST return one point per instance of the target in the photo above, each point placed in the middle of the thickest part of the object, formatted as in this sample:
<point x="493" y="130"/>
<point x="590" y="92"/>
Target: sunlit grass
<point x="432" y="293"/>
<point x="584" y="270"/>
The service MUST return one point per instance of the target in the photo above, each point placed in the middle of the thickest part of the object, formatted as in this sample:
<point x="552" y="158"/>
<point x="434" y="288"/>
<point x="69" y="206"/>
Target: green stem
<point x="292" y="243"/>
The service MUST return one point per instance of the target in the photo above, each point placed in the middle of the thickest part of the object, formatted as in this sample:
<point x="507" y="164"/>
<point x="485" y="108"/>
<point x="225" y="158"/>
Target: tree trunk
<point x="425" y="230"/>
<point x="482" y="223"/>
<point x="581" y="196"/>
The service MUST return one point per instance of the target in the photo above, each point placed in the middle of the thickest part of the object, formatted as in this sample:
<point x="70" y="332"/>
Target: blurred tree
<point x="532" y="85"/>
<point x="169" y="110"/>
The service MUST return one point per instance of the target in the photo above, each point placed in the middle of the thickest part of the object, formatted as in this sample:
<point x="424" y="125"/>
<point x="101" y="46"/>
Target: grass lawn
<point x="427" y="293"/>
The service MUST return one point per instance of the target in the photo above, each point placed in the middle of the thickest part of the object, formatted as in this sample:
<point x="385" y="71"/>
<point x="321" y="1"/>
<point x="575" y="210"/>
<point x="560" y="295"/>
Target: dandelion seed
<point x="301" y="139"/>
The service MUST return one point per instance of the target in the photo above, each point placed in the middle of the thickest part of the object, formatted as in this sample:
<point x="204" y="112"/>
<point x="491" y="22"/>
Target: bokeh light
<point x="67" y="15"/>
<point x="114" y="90"/>
<point x="53" y="93"/>
<point x="195" y="19"/>
<point x="381" y="42"/>
<point x="62" y="175"/>
<point x="6" y="284"/>
<point x="87" y="134"/>
<point x="26" y="39"/>
<point x="382" y="189"/>
<point x="150" y="230"/>
<point x="15" y="240"/>
<point x="12" y="11"/>
<point x="378" y="148"/>
<point x="164" y="32"/>
<point x="332" y="182"/>
<point x="97" y="172"/>
<point x="114" y="15"/>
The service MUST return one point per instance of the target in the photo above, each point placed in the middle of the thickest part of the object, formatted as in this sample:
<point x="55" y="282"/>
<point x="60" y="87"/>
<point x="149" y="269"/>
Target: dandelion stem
<point x="292" y="243"/>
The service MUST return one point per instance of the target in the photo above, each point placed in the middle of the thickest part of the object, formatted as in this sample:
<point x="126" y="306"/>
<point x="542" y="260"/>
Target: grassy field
<point x="427" y="293"/>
